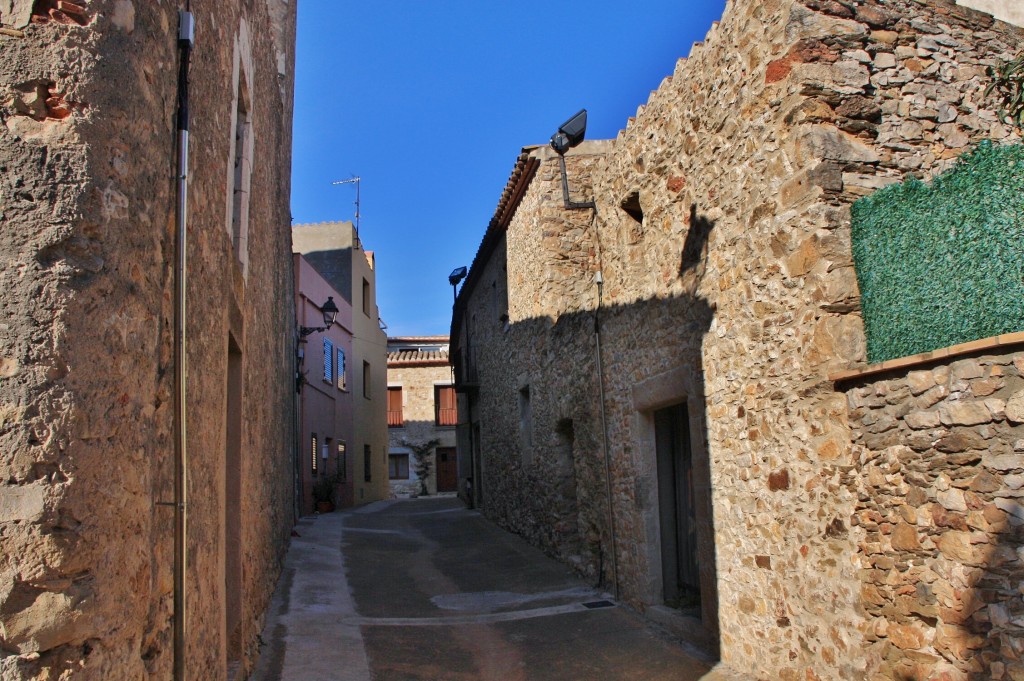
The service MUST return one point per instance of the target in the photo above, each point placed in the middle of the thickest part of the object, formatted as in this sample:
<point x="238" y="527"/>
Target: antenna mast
<point x="353" y="180"/>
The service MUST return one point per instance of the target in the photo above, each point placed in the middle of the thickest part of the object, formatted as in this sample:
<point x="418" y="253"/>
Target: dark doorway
<point x="447" y="469"/>
<point x="478" y="469"/>
<point x="677" y="510"/>
<point x="232" y="508"/>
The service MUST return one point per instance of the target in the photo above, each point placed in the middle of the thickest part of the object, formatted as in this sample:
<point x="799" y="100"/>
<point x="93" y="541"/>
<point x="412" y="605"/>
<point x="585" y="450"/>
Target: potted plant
<point x="323" y="493"/>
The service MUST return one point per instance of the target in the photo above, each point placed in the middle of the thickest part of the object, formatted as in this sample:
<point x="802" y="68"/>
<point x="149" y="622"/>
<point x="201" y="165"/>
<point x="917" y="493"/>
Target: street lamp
<point x="330" y="311"/>
<point x="457" y="275"/>
<point x="569" y="135"/>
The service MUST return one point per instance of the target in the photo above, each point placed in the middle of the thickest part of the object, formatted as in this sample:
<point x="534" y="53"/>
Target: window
<point x="342" y="463"/>
<point x="328" y="361"/>
<point x="241" y="151"/>
<point x="242" y="174"/>
<point x="525" y="427"/>
<point x="366" y="298"/>
<point x="445" y="411"/>
<point x="398" y="466"/>
<point x="366" y="380"/>
<point x="367" y="461"/>
<point x="499" y="298"/>
<point x="315" y="459"/>
<point x="342" y="384"/>
<point x="633" y="232"/>
<point x="631" y="206"/>
<point x="565" y="438"/>
<point x="395" y="407"/>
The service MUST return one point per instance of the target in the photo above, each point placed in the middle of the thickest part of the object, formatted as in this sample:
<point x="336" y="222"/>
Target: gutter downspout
<point x="599" y="280"/>
<point x="186" y="40"/>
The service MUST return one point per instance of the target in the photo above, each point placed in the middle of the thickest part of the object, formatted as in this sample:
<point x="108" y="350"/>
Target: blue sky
<point x="430" y="101"/>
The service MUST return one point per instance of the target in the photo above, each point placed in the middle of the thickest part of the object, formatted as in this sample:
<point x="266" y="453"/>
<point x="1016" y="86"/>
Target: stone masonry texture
<point x="722" y="235"/>
<point x="939" y="469"/>
<point x="87" y="208"/>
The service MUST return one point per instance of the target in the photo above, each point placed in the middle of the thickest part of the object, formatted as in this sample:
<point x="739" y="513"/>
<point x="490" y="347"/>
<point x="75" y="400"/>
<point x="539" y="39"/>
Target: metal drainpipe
<point x="297" y="438"/>
<point x="186" y="39"/>
<point x="604" y="431"/>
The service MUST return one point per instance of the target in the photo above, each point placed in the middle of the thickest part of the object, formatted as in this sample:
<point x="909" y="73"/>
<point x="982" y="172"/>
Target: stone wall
<point x="1007" y="10"/>
<point x="542" y="472"/>
<point x="940" y="466"/>
<point x="721" y="231"/>
<point x="87" y="200"/>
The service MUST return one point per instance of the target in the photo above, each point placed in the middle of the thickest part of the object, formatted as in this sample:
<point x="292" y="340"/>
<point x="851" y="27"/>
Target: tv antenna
<point x="353" y="180"/>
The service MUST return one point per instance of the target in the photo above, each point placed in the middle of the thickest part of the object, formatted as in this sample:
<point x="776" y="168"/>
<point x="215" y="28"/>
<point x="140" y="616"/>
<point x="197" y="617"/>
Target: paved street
<point x="427" y="590"/>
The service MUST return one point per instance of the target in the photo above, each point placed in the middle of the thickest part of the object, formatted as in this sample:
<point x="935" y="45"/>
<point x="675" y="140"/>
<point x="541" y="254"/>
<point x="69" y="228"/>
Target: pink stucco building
<point x="323" y="382"/>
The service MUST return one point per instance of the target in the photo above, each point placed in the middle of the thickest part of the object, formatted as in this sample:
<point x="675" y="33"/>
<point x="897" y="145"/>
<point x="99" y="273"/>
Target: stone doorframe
<point x="676" y="386"/>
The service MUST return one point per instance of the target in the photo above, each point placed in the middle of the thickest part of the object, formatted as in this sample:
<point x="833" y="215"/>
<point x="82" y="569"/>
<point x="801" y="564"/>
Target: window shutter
<point x="395" y="407"/>
<point x="328" y="360"/>
<point x="446" y="414"/>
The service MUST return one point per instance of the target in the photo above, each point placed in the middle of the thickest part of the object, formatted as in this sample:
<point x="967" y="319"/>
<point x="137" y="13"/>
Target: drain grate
<point x="594" y="605"/>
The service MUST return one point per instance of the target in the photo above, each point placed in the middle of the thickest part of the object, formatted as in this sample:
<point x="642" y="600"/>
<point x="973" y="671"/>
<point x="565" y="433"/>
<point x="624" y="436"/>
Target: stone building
<point x="325" y="401"/>
<point x="421" y="417"/>
<point x="336" y="252"/>
<point x="668" y="390"/>
<point x="88" y="197"/>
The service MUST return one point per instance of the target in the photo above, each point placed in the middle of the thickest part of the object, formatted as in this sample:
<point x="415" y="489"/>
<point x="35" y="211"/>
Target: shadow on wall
<point x="544" y="434"/>
<point x="693" y="260"/>
<point x="334" y="265"/>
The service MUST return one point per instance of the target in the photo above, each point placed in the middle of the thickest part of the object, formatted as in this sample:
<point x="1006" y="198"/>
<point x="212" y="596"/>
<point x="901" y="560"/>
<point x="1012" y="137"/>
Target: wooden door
<point x="677" y="509"/>
<point x="447" y="469"/>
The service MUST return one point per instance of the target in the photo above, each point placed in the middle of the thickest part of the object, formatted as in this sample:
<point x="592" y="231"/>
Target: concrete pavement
<point x="427" y="590"/>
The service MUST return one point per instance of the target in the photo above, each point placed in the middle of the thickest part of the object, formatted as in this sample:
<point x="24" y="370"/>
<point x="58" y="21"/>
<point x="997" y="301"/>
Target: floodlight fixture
<point x="457" y="275"/>
<point x="570" y="133"/>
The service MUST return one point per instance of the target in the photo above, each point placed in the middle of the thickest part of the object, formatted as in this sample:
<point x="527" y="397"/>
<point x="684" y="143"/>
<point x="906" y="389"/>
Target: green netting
<point x="942" y="264"/>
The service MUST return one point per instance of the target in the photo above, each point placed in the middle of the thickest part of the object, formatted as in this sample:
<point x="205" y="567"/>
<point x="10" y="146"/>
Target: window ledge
<point x="993" y="342"/>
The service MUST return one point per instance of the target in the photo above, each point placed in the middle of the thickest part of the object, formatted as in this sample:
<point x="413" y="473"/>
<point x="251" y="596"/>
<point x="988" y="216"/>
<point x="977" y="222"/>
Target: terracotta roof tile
<point x="417" y="356"/>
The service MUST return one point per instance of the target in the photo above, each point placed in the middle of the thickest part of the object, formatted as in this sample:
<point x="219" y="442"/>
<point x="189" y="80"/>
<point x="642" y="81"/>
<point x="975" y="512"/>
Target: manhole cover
<point x="594" y="605"/>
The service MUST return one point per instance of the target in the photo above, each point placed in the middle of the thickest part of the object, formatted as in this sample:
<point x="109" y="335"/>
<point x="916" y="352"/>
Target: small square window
<point x="398" y="466"/>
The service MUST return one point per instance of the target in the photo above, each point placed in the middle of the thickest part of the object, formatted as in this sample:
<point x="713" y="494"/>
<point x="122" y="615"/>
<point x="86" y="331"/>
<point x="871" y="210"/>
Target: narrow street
<point x="425" y="589"/>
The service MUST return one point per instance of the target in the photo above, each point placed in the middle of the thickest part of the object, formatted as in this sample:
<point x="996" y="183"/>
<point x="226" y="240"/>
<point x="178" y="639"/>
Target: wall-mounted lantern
<point x="330" y="311"/>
